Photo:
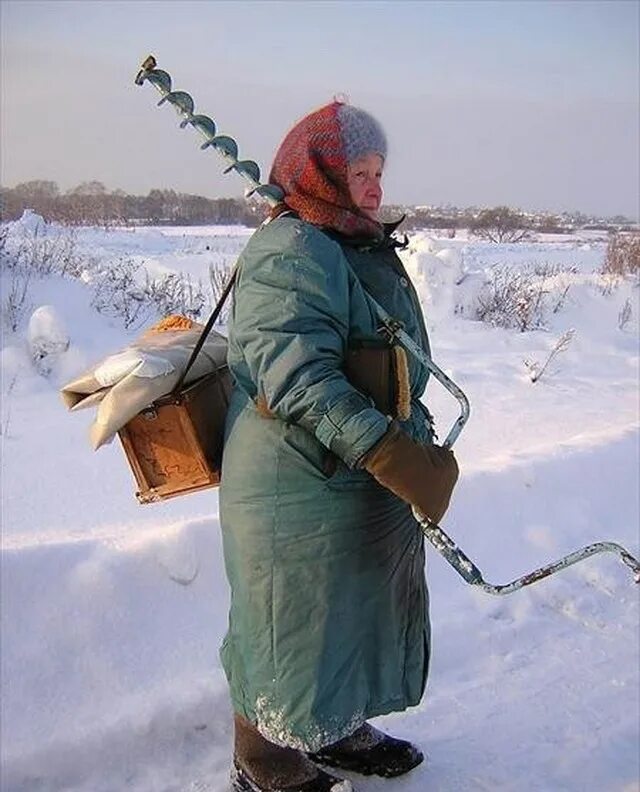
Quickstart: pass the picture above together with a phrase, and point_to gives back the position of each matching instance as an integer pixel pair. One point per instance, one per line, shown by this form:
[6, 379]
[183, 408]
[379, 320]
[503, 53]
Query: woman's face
[364, 177]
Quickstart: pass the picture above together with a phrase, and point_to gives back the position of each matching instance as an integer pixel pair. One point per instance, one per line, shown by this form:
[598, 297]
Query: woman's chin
[372, 214]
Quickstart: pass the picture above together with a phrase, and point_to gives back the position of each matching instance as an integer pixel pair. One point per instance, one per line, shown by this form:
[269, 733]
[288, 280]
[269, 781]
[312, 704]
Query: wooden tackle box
[174, 446]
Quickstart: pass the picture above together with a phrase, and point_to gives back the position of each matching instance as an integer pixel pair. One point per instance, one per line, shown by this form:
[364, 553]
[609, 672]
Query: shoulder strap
[216, 311]
[207, 328]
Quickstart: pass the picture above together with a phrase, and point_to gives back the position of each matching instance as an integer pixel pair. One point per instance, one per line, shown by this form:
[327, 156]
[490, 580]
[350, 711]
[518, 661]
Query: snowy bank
[112, 613]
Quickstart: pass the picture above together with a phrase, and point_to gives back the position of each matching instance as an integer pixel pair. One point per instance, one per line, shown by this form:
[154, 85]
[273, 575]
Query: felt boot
[262, 766]
[369, 751]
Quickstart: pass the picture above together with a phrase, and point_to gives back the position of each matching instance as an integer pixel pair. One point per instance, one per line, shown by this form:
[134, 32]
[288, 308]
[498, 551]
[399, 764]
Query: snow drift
[112, 613]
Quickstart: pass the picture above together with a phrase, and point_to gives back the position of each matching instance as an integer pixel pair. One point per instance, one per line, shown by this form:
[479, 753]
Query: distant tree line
[90, 203]
[499, 224]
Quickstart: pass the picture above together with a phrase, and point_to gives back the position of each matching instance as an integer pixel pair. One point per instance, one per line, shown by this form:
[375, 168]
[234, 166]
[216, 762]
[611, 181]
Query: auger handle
[454, 390]
[472, 575]
[394, 331]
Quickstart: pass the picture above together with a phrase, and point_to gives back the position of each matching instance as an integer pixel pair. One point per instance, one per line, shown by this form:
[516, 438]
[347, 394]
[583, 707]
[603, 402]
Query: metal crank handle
[472, 575]
[455, 391]
[394, 331]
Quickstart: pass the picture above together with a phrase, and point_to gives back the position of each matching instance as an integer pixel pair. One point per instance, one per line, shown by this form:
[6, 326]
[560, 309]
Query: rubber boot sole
[388, 759]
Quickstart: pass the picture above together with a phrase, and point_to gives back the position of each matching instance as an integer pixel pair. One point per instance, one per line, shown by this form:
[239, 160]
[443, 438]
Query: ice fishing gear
[441, 541]
[174, 446]
[227, 147]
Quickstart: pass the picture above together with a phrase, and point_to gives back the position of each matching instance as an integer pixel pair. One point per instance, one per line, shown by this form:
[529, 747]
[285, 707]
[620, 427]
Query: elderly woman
[327, 449]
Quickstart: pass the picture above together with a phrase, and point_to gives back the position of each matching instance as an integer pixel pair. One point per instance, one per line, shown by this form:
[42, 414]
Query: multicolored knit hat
[311, 167]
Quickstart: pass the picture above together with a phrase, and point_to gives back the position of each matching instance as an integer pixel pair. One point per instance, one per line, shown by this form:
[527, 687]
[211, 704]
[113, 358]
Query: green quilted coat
[329, 620]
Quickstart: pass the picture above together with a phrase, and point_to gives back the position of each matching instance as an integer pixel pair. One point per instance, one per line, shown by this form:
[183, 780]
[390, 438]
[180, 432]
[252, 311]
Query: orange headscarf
[311, 168]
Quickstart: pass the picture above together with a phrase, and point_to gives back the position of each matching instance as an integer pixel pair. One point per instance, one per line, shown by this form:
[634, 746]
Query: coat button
[404, 282]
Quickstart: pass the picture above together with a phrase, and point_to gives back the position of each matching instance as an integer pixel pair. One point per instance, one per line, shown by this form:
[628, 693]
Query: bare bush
[176, 294]
[522, 298]
[535, 369]
[624, 317]
[16, 286]
[500, 224]
[123, 288]
[51, 251]
[42, 249]
[219, 275]
[4, 253]
[547, 273]
[623, 255]
[118, 294]
[6, 403]
[16, 304]
[125, 291]
[607, 283]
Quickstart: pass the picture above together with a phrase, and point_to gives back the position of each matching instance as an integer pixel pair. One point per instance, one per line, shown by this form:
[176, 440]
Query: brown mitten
[422, 475]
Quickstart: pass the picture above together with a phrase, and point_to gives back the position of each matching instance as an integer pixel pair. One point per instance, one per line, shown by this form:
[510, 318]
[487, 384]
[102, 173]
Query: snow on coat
[329, 617]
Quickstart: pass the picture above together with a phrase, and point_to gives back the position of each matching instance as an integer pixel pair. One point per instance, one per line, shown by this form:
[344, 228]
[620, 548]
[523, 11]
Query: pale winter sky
[525, 102]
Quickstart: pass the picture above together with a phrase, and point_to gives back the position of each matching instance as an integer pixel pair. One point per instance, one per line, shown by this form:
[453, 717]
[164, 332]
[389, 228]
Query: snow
[112, 612]
[47, 338]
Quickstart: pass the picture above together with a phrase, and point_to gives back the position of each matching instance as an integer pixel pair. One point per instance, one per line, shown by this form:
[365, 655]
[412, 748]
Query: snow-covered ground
[112, 613]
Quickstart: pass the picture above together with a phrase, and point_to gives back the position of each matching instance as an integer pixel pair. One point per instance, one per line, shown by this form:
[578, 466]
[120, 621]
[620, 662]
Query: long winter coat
[329, 611]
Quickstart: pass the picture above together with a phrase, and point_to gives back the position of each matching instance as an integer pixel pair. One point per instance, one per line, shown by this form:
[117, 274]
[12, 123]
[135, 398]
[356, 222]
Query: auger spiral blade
[270, 192]
[182, 102]
[225, 145]
[204, 125]
[245, 168]
[160, 79]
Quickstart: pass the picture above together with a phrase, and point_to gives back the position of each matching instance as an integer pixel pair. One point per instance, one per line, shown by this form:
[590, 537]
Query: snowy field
[112, 613]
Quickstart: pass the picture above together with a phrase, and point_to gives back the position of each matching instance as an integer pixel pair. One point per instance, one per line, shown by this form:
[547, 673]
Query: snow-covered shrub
[4, 253]
[535, 369]
[623, 255]
[47, 337]
[624, 317]
[175, 293]
[31, 248]
[118, 294]
[15, 303]
[125, 290]
[522, 298]
[607, 283]
[6, 402]
[43, 248]
[219, 274]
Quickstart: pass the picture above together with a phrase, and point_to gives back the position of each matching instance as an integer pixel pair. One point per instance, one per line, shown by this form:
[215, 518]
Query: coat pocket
[310, 455]
[309, 451]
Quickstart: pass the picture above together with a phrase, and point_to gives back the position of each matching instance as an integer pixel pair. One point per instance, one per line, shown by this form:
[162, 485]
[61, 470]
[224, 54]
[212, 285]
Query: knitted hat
[361, 133]
[310, 166]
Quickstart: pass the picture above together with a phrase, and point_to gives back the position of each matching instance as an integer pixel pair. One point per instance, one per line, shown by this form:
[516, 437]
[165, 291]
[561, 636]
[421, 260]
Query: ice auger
[227, 147]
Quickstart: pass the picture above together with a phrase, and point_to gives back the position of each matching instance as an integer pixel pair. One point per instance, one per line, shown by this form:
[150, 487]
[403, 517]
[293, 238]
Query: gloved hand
[422, 475]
